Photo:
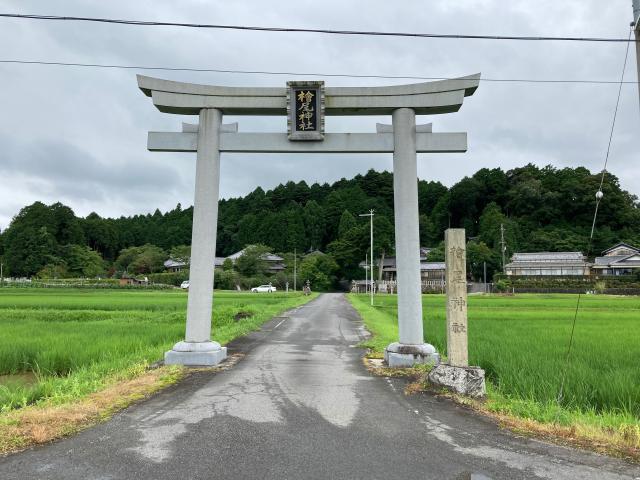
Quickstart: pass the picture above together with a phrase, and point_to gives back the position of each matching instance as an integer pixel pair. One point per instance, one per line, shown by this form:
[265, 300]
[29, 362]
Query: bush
[600, 286]
[169, 278]
[226, 279]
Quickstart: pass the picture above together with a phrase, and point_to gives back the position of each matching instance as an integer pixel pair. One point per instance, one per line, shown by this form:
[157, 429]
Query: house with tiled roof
[621, 259]
[548, 264]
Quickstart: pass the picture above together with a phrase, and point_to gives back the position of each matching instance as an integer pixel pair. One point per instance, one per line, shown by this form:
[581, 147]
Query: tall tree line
[541, 209]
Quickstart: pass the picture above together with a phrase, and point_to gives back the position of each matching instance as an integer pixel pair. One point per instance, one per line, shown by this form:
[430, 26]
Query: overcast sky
[78, 135]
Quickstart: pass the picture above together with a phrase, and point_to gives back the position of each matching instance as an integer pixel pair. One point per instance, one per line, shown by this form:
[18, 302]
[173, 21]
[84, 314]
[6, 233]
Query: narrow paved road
[301, 405]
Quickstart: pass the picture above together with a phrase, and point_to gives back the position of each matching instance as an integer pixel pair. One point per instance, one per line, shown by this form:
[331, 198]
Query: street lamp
[370, 215]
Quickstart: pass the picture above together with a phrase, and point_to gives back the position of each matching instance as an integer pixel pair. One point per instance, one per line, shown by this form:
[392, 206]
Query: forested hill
[541, 209]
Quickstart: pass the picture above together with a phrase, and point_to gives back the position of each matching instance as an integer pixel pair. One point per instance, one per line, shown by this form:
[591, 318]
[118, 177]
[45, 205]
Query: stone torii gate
[305, 104]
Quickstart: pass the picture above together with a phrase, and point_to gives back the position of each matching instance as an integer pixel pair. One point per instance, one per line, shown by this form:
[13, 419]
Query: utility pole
[370, 215]
[366, 272]
[1, 275]
[636, 29]
[485, 277]
[502, 245]
[295, 267]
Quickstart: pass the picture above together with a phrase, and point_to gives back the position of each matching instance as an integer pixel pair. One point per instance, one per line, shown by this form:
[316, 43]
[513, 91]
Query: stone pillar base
[398, 355]
[467, 381]
[195, 354]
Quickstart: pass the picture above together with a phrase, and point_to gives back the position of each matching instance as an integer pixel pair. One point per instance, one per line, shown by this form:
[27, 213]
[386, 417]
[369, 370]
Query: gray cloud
[79, 135]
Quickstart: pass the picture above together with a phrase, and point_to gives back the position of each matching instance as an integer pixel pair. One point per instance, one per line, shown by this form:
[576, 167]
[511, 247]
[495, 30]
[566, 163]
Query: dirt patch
[242, 315]
[26, 379]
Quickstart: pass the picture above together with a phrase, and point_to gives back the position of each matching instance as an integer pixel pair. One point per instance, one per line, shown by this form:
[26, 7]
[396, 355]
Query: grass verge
[71, 358]
[48, 421]
[520, 342]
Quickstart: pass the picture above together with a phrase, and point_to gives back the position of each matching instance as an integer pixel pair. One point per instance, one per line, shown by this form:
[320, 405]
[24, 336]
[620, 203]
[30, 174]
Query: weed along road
[300, 404]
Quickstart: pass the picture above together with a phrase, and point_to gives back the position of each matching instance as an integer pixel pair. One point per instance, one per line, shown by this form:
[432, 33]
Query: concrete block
[195, 358]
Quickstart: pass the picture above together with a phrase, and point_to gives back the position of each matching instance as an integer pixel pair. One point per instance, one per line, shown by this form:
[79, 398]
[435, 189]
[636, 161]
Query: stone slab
[204, 358]
[468, 381]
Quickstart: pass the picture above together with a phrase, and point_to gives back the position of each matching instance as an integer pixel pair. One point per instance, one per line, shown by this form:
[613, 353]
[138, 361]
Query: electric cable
[328, 31]
[308, 74]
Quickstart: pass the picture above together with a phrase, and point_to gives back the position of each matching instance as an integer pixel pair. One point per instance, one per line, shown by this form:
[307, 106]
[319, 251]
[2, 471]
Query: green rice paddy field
[60, 344]
[521, 342]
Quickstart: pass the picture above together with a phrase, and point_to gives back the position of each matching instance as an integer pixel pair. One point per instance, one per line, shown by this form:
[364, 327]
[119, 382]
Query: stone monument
[305, 105]
[457, 374]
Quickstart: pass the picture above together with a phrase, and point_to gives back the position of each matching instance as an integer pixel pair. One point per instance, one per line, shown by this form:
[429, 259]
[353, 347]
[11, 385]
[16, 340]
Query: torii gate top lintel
[427, 98]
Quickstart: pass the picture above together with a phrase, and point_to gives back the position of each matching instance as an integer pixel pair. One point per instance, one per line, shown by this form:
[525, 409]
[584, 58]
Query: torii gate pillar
[197, 347]
[411, 347]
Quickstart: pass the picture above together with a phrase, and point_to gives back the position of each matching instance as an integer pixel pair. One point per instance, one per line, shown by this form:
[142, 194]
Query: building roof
[621, 245]
[276, 267]
[270, 257]
[235, 256]
[423, 266]
[432, 266]
[171, 263]
[609, 259]
[390, 262]
[545, 257]
[632, 260]
[546, 264]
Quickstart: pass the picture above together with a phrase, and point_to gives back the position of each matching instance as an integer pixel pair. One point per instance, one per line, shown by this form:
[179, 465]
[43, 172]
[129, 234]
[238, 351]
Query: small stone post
[456, 279]
[456, 374]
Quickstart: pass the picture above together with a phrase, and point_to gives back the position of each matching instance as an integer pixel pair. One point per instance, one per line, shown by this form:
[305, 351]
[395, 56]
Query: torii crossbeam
[305, 104]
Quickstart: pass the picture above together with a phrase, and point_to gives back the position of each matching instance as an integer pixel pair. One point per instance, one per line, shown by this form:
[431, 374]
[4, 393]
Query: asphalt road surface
[301, 405]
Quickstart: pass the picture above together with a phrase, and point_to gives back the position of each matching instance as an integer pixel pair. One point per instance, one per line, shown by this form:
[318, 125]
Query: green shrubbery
[169, 278]
[578, 283]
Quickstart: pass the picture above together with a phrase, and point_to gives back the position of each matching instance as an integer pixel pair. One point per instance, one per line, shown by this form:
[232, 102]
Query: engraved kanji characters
[305, 110]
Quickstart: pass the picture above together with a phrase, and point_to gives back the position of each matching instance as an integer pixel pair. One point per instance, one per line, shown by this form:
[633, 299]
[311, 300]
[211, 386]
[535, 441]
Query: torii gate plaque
[306, 104]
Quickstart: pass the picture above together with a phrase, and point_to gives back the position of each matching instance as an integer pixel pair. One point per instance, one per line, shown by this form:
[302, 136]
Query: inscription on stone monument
[456, 278]
[305, 110]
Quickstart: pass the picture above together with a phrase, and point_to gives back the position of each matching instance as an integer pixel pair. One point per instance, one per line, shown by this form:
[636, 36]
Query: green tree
[51, 271]
[320, 270]
[181, 253]
[477, 254]
[144, 259]
[81, 261]
[252, 262]
[347, 222]
[313, 217]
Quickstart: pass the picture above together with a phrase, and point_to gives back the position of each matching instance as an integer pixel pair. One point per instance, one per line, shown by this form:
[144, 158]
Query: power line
[145, 23]
[310, 74]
